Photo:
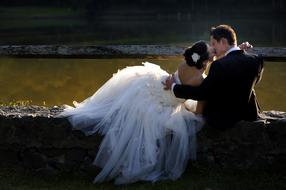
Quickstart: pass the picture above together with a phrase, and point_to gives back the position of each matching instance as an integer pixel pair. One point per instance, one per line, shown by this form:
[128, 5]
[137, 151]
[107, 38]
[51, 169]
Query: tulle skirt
[148, 133]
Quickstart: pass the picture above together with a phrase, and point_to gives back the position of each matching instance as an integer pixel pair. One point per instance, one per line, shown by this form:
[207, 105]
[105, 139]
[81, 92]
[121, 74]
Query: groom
[229, 87]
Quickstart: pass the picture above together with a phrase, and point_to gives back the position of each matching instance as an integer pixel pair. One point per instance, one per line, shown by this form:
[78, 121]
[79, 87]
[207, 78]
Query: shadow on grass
[17, 178]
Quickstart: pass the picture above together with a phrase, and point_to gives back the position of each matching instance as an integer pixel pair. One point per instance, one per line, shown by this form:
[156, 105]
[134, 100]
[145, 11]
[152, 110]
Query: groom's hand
[245, 46]
[168, 82]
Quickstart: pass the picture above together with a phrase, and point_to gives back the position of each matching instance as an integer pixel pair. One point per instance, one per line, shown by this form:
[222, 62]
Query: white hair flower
[195, 57]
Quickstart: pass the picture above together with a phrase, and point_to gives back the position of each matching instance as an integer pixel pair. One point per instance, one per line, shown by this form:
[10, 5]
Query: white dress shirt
[234, 48]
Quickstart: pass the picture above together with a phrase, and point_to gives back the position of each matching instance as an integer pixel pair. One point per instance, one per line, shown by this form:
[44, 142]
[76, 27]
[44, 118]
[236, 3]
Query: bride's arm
[245, 46]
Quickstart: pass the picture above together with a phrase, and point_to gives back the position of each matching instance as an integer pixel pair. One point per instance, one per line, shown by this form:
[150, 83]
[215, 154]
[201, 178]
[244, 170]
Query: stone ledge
[117, 51]
[33, 137]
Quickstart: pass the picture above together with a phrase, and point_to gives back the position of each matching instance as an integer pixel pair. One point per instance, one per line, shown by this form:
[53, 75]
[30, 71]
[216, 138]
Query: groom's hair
[224, 31]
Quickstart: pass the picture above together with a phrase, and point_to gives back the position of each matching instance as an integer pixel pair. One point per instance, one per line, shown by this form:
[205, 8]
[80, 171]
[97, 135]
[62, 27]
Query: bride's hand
[245, 46]
[169, 82]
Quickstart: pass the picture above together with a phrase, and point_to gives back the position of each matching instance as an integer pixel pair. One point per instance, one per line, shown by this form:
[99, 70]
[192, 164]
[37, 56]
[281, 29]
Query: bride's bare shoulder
[183, 70]
[181, 67]
[189, 75]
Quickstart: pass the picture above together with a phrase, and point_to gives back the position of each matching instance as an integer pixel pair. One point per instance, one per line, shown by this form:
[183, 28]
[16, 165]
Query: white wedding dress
[148, 133]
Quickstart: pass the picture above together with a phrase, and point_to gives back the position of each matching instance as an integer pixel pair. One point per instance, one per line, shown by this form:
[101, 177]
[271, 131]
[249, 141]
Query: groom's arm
[199, 92]
[189, 92]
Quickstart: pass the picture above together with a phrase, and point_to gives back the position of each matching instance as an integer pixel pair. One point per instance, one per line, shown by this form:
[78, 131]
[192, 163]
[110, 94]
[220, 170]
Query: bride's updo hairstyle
[196, 55]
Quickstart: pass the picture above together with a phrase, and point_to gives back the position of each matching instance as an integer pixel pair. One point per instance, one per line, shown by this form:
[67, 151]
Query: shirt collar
[235, 48]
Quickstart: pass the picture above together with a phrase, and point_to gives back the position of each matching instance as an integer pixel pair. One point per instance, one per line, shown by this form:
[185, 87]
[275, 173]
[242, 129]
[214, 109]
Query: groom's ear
[224, 41]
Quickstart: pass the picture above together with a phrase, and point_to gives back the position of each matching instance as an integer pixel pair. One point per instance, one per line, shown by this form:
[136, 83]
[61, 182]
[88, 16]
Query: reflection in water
[60, 81]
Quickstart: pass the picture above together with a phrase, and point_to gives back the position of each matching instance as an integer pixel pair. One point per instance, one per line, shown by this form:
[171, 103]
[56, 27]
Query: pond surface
[60, 81]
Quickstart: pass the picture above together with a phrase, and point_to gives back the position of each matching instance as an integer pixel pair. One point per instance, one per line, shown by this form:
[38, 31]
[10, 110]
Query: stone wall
[34, 138]
[268, 53]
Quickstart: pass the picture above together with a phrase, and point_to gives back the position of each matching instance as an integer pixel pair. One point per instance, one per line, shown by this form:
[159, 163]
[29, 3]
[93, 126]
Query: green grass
[16, 178]
[37, 12]
[75, 37]
[39, 17]
[18, 103]
[43, 23]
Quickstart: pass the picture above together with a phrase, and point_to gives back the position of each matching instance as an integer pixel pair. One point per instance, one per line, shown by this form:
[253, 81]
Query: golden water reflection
[60, 81]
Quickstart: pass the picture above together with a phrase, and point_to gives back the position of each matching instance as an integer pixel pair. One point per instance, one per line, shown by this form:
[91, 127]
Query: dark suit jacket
[228, 89]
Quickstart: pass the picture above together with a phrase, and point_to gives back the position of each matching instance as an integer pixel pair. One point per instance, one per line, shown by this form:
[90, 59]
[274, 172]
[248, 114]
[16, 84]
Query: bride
[149, 134]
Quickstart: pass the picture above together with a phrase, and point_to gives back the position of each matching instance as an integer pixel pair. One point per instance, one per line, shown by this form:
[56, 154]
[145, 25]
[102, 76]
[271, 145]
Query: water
[60, 81]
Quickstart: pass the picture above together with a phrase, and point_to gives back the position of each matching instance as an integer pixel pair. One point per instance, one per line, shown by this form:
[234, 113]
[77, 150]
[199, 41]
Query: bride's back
[194, 77]
[190, 75]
